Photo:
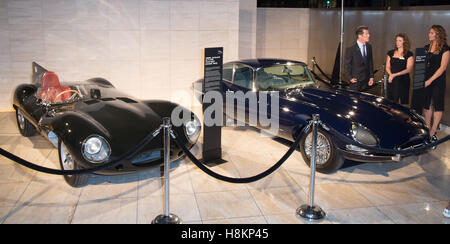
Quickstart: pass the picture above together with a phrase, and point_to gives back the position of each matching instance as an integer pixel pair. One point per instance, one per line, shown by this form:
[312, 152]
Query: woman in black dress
[399, 63]
[437, 60]
[436, 64]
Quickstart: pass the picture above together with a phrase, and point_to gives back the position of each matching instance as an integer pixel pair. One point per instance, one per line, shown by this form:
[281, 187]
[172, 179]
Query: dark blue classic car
[362, 117]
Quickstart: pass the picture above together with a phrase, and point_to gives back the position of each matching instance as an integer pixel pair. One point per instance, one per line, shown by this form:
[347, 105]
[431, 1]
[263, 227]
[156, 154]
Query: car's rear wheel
[328, 158]
[67, 162]
[25, 127]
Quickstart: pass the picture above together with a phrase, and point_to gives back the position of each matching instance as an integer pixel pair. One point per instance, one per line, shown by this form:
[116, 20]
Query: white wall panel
[247, 29]
[148, 48]
[282, 33]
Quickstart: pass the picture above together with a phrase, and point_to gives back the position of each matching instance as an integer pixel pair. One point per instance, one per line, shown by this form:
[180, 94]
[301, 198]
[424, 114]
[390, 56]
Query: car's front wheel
[67, 162]
[328, 158]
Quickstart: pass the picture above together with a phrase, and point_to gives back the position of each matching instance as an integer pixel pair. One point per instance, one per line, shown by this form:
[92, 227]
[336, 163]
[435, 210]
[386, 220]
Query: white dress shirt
[360, 45]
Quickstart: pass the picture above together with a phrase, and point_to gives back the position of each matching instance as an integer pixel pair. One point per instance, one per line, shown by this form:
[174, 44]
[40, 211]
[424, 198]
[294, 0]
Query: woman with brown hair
[436, 64]
[399, 63]
[437, 60]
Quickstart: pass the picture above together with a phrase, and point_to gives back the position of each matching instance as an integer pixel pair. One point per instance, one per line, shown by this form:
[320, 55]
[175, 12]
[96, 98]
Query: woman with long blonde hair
[436, 65]
[437, 60]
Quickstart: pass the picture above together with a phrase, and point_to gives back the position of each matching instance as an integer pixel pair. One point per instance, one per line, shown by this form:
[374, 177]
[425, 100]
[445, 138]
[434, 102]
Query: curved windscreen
[280, 77]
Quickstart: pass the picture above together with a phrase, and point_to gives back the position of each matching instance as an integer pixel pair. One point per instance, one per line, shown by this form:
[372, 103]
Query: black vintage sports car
[92, 123]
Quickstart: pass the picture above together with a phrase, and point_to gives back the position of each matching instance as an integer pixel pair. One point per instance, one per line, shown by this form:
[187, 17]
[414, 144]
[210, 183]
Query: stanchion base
[213, 162]
[311, 213]
[171, 219]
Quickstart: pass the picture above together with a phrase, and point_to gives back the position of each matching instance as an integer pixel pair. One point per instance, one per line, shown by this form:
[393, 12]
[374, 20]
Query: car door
[240, 95]
[268, 119]
[227, 88]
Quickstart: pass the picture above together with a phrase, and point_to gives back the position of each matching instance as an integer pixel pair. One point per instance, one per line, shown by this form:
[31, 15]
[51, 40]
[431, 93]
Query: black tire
[332, 162]
[72, 180]
[26, 129]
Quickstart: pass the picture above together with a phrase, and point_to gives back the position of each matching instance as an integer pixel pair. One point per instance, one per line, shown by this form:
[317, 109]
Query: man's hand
[354, 80]
[371, 82]
[427, 83]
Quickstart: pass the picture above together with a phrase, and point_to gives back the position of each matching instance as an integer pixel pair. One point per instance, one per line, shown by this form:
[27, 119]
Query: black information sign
[212, 135]
[419, 80]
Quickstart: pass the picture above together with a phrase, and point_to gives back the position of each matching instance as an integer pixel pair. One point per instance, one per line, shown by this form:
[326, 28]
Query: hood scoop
[107, 99]
[127, 100]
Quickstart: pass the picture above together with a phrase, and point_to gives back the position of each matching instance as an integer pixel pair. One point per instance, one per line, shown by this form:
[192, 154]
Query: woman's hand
[391, 78]
[441, 70]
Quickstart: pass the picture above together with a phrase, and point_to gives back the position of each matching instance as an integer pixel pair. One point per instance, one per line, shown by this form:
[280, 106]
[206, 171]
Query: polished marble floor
[415, 190]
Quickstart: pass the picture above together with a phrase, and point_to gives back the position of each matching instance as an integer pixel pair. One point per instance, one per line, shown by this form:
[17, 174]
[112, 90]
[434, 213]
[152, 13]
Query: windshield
[280, 77]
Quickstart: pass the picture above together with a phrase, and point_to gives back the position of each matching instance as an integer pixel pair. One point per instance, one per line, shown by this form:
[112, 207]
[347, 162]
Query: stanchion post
[167, 217]
[311, 211]
[314, 64]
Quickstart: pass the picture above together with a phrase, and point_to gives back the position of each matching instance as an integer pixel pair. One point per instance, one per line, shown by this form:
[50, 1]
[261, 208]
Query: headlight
[93, 146]
[192, 129]
[95, 149]
[362, 135]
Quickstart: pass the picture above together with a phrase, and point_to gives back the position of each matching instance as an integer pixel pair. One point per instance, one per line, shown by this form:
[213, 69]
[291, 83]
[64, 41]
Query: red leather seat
[50, 79]
[50, 88]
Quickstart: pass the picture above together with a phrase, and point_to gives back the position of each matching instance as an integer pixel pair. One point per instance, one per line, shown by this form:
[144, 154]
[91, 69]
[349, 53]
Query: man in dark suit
[359, 61]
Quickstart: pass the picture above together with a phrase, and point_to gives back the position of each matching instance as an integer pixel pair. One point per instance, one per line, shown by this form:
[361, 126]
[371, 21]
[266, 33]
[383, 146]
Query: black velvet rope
[200, 165]
[112, 163]
[320, 79]
[240, 180]
[321, 71]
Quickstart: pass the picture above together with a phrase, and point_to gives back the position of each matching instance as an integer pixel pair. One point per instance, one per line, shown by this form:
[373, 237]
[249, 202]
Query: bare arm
[388, 65]
[441, 70]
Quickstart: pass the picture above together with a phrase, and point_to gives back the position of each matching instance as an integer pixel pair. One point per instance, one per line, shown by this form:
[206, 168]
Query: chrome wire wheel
[66, 159]
[26, 129]
[21, 120]
[67, 162]
[323, 152]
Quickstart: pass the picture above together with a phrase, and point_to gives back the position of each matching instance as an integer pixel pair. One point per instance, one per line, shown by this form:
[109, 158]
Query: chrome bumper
[361, 155]
[367, 157]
